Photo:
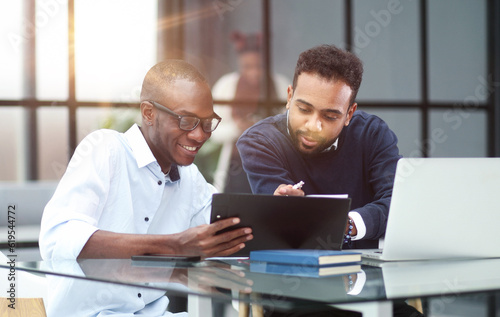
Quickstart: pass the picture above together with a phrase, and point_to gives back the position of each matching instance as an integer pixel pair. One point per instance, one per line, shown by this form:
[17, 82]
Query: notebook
[304, 270]
[305, 257]
[443, 208]
[285, 222]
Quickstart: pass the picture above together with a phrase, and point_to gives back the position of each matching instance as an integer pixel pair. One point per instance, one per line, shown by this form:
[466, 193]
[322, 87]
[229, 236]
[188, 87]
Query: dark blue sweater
[362, 166]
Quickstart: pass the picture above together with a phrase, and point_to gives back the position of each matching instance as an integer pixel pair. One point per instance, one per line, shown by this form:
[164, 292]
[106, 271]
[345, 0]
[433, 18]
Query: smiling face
[318, 111]
[170, 144]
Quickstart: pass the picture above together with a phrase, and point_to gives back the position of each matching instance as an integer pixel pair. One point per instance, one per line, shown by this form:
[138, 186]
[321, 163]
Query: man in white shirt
[138, 192]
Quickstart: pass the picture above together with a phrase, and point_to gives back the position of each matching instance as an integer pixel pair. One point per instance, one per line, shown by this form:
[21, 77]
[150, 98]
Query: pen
[298, 185]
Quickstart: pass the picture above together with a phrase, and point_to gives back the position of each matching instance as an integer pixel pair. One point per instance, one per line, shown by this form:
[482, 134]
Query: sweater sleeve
[263, 162]
[381, 159]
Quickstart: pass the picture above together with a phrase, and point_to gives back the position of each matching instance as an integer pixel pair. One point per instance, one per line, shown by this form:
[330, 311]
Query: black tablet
[285, 222]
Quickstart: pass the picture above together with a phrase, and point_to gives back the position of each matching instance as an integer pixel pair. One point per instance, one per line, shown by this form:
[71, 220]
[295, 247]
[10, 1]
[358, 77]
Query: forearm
[374, 216]
[202, 240]
[106, 244]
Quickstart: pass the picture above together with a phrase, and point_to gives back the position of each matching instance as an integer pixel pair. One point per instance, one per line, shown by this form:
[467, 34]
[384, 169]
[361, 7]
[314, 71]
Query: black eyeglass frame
[180, 117]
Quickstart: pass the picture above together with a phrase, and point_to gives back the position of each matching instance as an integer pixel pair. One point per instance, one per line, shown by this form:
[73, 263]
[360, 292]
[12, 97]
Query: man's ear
[289, 96]
[350, 113]
[147, 113]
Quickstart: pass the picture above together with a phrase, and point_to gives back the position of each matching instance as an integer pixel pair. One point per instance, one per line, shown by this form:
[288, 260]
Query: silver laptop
[404, 279]
[443, 208]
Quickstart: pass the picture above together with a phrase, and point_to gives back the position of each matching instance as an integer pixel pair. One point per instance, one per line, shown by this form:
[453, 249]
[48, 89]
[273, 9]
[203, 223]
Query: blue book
[304, 270]
[306, 257]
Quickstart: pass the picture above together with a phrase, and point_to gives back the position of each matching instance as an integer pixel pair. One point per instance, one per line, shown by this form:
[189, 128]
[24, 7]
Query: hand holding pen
[298, 185]
[290, 190]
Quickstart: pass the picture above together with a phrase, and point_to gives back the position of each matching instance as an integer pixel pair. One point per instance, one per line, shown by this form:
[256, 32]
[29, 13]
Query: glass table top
[237, 279]
[389, 280]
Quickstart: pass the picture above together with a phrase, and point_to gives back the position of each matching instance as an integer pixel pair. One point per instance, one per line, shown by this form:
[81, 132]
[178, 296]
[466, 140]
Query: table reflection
[86, 297]
[112, 287]
[124, 287]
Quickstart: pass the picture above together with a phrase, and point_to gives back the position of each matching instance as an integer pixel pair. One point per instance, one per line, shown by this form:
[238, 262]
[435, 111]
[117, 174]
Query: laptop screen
[444, 208]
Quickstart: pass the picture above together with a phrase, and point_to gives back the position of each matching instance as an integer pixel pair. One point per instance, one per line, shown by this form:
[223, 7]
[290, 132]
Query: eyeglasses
[189, 123]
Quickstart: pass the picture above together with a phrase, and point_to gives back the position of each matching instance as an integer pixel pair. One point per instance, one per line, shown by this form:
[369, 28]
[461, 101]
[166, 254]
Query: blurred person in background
[245, 88]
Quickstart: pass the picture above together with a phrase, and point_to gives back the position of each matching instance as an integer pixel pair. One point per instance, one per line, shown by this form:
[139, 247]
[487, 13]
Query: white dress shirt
[113, 182]
[77, 297]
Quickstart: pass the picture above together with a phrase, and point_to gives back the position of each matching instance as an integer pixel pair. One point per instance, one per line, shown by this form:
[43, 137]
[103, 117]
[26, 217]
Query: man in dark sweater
[322, 141]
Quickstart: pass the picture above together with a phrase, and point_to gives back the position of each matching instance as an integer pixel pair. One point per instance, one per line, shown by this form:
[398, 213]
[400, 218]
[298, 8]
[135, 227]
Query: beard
[322, 143]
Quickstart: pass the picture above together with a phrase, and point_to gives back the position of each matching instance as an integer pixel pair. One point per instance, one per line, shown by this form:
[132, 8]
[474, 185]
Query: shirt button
[146, 219]
[160, 182]
[139, 295]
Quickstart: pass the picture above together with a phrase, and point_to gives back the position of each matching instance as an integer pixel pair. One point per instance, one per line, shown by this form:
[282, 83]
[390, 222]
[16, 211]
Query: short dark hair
[331, 63]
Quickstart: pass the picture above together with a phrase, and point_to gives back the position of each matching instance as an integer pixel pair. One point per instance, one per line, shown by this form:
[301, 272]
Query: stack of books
[304, 262]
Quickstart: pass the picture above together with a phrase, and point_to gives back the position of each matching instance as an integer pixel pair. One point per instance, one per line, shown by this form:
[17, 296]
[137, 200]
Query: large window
[68, 67]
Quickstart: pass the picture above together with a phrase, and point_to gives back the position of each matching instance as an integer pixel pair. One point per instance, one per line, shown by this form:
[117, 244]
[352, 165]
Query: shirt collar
[143, 154]
[332, 147]
[139, 146]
